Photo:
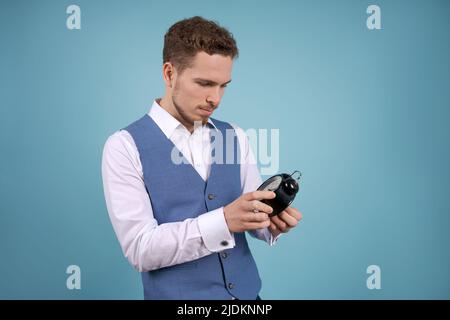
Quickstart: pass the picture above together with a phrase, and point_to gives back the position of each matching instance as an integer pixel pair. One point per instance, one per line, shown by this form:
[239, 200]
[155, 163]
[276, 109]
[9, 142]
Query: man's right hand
[240, 215]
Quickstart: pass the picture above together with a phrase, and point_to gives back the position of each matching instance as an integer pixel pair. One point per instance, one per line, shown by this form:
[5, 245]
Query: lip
[206, 112]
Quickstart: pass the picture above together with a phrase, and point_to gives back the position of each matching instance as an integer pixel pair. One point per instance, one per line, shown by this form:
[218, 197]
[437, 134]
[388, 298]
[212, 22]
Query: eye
[205, 84]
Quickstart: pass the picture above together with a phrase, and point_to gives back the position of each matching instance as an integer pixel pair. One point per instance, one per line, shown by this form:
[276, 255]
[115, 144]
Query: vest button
[230, 285]
[224, 243]
[224, 255]
[211, 196]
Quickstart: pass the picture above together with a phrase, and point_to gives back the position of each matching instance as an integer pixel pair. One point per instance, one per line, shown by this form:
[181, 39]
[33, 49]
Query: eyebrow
[210, 81]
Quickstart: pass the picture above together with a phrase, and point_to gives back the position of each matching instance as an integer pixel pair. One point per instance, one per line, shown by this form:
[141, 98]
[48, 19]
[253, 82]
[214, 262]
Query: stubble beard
[185, 119]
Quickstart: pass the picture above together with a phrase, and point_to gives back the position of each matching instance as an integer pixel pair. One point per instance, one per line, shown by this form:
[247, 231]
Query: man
[182, 223]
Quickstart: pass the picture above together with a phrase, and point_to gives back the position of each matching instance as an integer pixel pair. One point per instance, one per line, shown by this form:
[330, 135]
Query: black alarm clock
[285, 188]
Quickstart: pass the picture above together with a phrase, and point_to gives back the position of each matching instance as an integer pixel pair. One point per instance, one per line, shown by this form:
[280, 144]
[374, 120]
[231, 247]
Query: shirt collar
[166, 122]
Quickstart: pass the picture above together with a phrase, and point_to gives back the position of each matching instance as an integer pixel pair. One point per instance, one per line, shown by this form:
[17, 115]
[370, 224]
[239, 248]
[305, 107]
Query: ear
[168, 74]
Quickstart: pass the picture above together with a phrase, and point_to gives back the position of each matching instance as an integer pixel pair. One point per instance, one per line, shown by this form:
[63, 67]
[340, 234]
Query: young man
[182, 223]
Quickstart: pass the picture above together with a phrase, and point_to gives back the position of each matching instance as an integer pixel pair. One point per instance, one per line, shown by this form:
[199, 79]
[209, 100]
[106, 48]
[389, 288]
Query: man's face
[199, 88]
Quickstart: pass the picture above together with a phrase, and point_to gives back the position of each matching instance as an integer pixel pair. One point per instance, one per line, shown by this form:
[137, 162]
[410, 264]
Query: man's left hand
[284, 221]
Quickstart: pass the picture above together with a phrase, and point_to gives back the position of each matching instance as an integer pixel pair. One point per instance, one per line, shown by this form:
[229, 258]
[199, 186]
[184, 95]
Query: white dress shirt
[146, 244]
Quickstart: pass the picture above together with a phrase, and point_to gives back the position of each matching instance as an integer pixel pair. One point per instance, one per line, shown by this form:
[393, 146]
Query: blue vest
[177, 192]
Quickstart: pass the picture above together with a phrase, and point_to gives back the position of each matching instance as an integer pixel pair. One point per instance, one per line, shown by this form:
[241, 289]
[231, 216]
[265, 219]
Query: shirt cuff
[271, 239]
[214, 231]
[265, 235]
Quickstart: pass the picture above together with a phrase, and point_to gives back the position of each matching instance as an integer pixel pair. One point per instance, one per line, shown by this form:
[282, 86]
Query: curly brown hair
[187, 37]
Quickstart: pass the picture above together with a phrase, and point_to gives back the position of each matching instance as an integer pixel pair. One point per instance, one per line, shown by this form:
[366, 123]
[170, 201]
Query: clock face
[272, 184]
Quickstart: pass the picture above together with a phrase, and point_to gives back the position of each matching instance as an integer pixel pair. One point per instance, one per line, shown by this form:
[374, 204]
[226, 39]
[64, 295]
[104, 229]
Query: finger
[294, 213]
[280, 224]
[272, 226]
[259, 206]
[257, 225]
[255, 217]
[288, 219]
[259, 195]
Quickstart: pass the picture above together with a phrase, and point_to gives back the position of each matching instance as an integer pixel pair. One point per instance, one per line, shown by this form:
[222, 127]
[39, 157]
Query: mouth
[206, 111]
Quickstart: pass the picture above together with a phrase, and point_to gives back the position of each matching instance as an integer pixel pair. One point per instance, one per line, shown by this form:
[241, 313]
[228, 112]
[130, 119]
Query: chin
[204, 120]
[199, 119]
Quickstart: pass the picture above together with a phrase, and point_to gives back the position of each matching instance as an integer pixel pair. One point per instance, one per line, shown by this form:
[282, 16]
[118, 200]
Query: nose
[213, 98]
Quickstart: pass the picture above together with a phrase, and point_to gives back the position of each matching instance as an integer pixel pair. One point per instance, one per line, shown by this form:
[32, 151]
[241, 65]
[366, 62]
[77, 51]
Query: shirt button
[224, 243]
[211, 196]
[230, 285]
[224, 255]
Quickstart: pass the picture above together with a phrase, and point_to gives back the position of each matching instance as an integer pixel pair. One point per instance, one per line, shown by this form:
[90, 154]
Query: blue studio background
[364, 114]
